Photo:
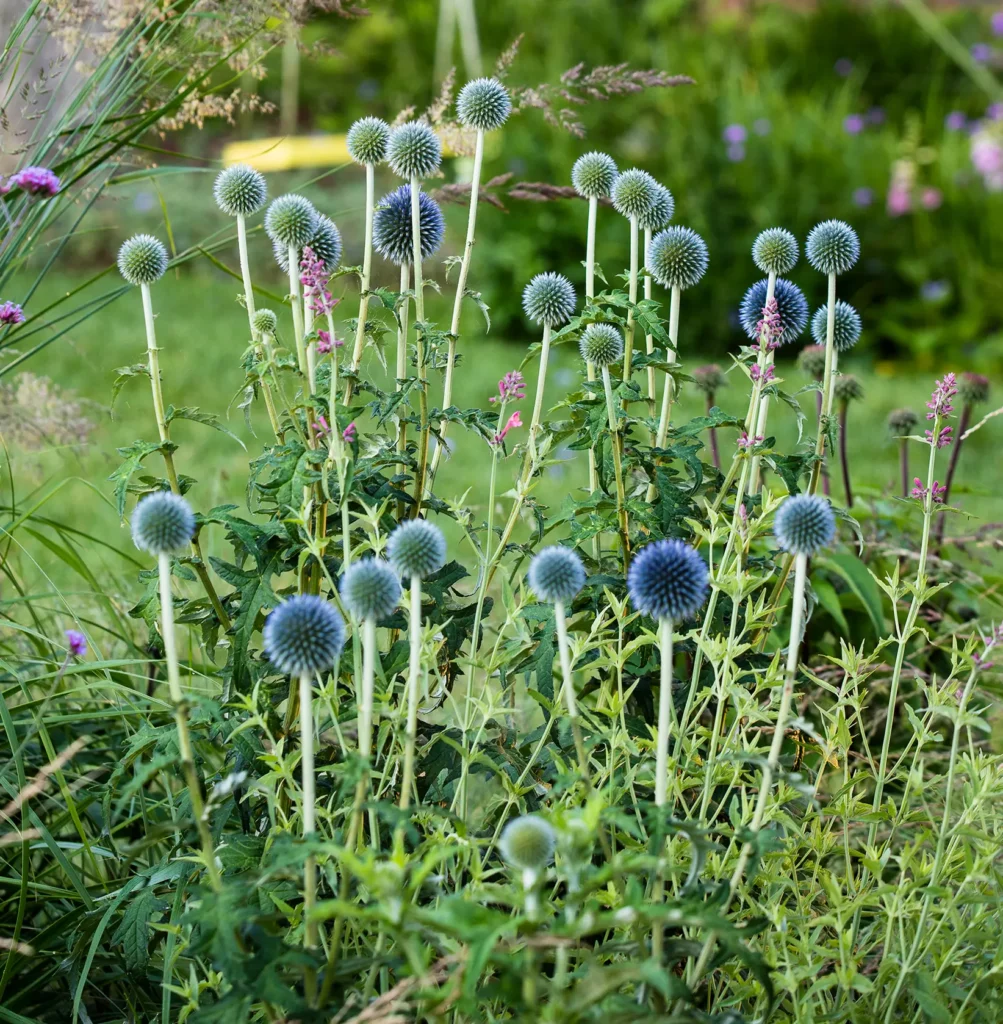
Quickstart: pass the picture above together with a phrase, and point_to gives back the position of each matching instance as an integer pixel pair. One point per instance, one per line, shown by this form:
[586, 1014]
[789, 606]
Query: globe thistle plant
[845, 329]
[240, 190]
[290, 222]
[593, 175]
[811, 361]
[527, 845]
[142, 260]
[414, 151]
[483, 104]
[264, 321]
[804, 525]
[325, 242]
[846, 389]
[393, 237]
[654, 219]
[792, 308]
[162, 524]
[775, 251]
[601, 345]
[368, 140]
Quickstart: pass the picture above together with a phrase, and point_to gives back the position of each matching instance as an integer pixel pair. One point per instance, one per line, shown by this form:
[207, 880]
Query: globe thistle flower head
[325, 243]
[775, 251]
[709, 379]
[265, 321]
[792, 307]
[593, 175]
[811, 361]
[973, 388]
[367, 140]
[162, 523]
[804, 524]
[667, 580]
[634, 193]
[416, 548]
[370, 589]
[291, 220]
[142, 259]
[832, 247]
[304, 635]
[527, 843]
[556, 574]
[240, 190]
[601, 345]
[549, 299]
[902, 422]
[660, 212]
[677, 257]
[483, 104]
[414, 150]
[847, 388]
[845, 325]
[393, 237]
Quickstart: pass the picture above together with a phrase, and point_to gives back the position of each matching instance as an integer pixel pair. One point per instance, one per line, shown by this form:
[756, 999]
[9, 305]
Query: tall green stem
[364, 284]
[590, 370]
[297, 303]
[402, 363]
[662, 756]
[570, 698]
[649, 340]
[413, 677]
[615, 445]
[668, 388]
[758, 427]
[419, 324]
[309, 806]
[628, 344]
[830, 348]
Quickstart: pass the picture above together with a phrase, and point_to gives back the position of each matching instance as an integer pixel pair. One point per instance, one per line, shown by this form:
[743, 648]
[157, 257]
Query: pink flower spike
[939, 493]
[511, 387]
[940, 399]
[321, 426]
[11, 313]
[513, 421]
[349, 434]
[314, 279]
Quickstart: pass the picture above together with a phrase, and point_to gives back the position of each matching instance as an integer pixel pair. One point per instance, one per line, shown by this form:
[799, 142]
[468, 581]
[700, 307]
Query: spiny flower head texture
[902, 422]
[368, 139]
[414, 150]
[973, 388]
[291, 220]
[304, 635]
[805, 524]
[845, 325]
[593, 175]
[792, 308]
[847, 388]
[709, 379]
[667, 580]
[483, 104]
[601, 345]
[775, 250]
[811, 360]
[393, 238]
[660, 212]
[162, 523]
[527, 843]
[265, 321]
[549, 299]
[832, 247]
[142, 259]
[240, 190]
[556, 574]
[634, 193]
[370, 589]
[677, 257]
[416, 548]
[325, 243]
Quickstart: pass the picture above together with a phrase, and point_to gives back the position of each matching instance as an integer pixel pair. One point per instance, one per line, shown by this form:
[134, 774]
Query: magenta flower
[11, 313]
[36, 181]
[314, 279]
[325, 344]
[920, 492]
[76, 642]
[853, 124]
[766, 374]
[348, 434]
[899, 200]
[943, 437]
[931, 198]
[511, 387]
[321, 425]
[940, 399]
[772, 325]
[513, 421]
[744, 441]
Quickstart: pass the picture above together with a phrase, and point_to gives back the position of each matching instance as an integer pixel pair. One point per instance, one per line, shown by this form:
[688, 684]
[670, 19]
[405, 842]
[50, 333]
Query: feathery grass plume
[710, 379]
[290, 222]
[654, 219]
[973, 389]
[240, 190]
[792, 307]
[775, 251]
[847, 389]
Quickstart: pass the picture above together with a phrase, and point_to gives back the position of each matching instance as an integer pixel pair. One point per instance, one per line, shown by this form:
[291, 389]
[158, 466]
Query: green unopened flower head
[902, 422]
[973, 388]
[368, 139]
[528, 843]
[662, 208]
[325, 243]
[142, 259]
[775, 250]
[556, 574]
[593, 175]
[549, 299]
[847, 388]
[416, 548]
[304, 635]
[601, 345]
[634, 193]
[265, 321]
[370, 589]
[162, 523]
[291, 220]
[414, 150]
[804, 524]
[845, 325]
[240, 190]
[483, 104]
[677, 257]
[832, 247]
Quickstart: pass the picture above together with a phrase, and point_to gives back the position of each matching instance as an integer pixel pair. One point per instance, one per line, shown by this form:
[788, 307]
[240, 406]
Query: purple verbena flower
[37, 181]
[511, 387]
[11, 313]
[76, 642]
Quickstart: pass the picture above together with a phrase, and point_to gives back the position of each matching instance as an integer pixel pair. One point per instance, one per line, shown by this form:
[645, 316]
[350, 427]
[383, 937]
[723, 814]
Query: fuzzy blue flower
[304, 635]
[414, 150]
[291, 220]
[240, 190]
[325, 242]
[393, 238]
[775, 250]
[661, 211]
[832, 247]
[634, 193]
[601, 345]
[162, 523]
[845, 326]
[667, 580]
[483, 104]
[142, 259]
[416, 548]
[677, 257]
[367, 140]
[370, 589]
[593, 175]
[556, 574]
[791, 305]
[804, 524]
[527, 843]
[549, 299]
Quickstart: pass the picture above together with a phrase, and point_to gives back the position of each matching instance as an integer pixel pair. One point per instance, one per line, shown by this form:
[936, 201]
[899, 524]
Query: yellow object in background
[288, 152]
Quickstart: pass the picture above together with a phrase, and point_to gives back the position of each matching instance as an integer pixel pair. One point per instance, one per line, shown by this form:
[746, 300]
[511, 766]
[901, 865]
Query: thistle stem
[904, 465]
[714, 450]
[570, 699]
[615, 444]
[413, 677]
[419, 323]
[402, 362]
[662, 757]
[823, 423]
[541, 383]
[365, 723]
[669, 387]
[364, 284]
[628, 344]
[843, 457]
[649, 341]
[296, 300]
[952, 465]
[309, 806]
[758, 428]
[590, 370]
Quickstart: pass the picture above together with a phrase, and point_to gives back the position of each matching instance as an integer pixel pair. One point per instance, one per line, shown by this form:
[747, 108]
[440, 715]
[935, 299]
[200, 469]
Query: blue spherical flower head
[601, 345]
[660, 212]
[162, 523]
[593, 175]
[832, 247]
[291, 220]
[677, 257]
[556, 574]
[634, 193]
[549, 299]
[667, 580]
[414, 150]
[142, 259]
[483, 104]
[845, 327]
[240, 190]
[775, 250]
[370, 589]
[393, 238]
[791, 305]
[804, 524]
[304, 635]
[325, 243]
[416, 548]
[367, 140]
[527, 843]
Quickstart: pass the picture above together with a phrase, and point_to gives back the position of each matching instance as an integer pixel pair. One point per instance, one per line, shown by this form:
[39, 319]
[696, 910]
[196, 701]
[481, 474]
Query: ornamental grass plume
[710, 379]
[973, 389]
[847, 389]
[901, 423]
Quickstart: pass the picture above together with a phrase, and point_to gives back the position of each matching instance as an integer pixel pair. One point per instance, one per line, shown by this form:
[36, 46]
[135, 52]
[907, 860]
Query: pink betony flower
[940, 399]
[349, 433]
[513, 421]
[920, 492]
[325, 344]
[510, 388]
[744, 441]
[314, 279]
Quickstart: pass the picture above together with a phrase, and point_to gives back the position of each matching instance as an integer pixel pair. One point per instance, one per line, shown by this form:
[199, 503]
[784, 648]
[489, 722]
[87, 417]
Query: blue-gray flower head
[527, 843]
[142, 259]
[601, 345]
[304, 635]
[414, 150]
[775, 250]
[677, 257]
[370, 589]
[556, 574]
[393, 238]
[804, 524]
[265, 321]
[633, 193]
[368, 139]
[483, 104]
[162, 523]
[832, 247]
[291, 220]
[325, 242]
[549, 299]
[416, 548]
[845, 326]
[791, 305]
[593, 175]
[240, 190]
[667, 580]
[660, 212]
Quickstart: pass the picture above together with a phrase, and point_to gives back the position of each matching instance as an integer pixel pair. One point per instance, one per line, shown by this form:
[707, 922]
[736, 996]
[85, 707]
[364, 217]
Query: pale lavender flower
[734, 134]
[863, 197]
[934, 291]
[853, 124]
[76, 642]
[11, 313]
[955, 121]
[981, 53]
[995, 111]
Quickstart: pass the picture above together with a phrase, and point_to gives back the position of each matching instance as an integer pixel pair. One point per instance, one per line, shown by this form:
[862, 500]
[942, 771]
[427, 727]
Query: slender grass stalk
[662, 758]
[296, 301]
[628, 342]
[669, 387]
[615, 445]
[826, 402]
[365, 283]
[419, 317]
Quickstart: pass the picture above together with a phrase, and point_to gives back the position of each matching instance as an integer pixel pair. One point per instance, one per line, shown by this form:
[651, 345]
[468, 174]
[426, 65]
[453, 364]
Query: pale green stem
[309, 805]
[570, 698]
[413, 677]
[830, 347]
[758, 427]
[590, 370]
[541, 382]
[662, 758]
[402, 359]
[364, 284]
[419, 317]
[628, 345]
[310, 345]
[668, 389]
[614, 437]
[297, 304]
[649, 341]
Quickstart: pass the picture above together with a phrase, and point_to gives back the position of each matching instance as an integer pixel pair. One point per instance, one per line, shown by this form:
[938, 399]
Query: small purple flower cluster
[994, 639]
[747, 442]
[940, 399]
[325, 343]
[36, 181]
[76, 643]
[510, 388]
[771, 325]
[767, 375]
[943, 438]
[314, 279]
[920, 492]
[11, 313]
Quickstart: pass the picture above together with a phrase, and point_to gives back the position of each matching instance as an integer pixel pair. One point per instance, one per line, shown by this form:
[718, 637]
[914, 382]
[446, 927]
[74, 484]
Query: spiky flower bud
[667, 580]
[791, 305]
[660, 212]
[416, 548]
[304, 635]
[483, 104]
[804, 524]
[633, 193]
[709, 379]
[142, 259]
[325, 243]
[601, 345]
[393, 238]
[527, 843]
[414, 150]
[549, 299]
[368, 139]
[162, 523]
[973, 388]
[556, 574]
[775, 250]
[265, 321]
[240, 190]
[593, 175]
[677, 257]
[811, 361]
[832, 247]
[845, 325]
[847, 388]
[902, 422]
[370, 589]
[291, 220]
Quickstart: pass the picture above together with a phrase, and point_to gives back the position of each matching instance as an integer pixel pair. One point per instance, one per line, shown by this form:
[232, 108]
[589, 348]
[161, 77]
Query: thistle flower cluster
[11, 313]
[709, 379]
[811, 361]
[393, 237]
[304, 635]
[240, 190]
[832, 247]
[549, 299]
[847, 388]
[142, 259]
[314, 279]
[368, 139]
[902, 422]
[804, 524]
[775, 251]
[162, 523]
[791, 309]
[593, 175]
[973, 388]
[325, 243]
[634, 193]
[940, 399]
[370, 589]
[846, 326]
[416, 548]
[511, 388]
[677, 258]
[36, 181]
[667, 580]
[483, 104]
[527, 843]
[414, 150]
[601, 345]
[265, 321]
[660, 212]
[291, 221]
[556, 574]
